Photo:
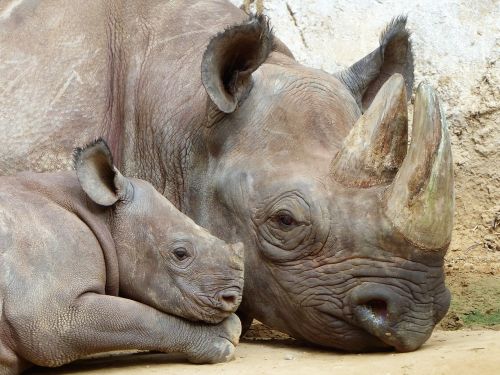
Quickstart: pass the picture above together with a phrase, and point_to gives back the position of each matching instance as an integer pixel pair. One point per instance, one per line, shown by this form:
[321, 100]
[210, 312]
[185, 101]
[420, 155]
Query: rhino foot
[218, 342]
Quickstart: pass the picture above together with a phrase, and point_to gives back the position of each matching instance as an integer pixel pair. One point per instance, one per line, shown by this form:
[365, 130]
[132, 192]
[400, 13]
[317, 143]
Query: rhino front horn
[420, 201]
[376, 146]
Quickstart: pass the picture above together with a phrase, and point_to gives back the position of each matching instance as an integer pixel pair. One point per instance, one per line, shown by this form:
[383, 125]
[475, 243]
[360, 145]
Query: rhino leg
[98, 323]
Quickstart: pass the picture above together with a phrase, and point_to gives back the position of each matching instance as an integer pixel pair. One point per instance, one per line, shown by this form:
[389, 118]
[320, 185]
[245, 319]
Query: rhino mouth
[348, 336]
[369, 329]
[218, 306]
[402, 337]
[202, 308]
[391, 318]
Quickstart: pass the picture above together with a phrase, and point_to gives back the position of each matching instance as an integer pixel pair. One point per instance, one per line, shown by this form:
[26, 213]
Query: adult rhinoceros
[345, 230]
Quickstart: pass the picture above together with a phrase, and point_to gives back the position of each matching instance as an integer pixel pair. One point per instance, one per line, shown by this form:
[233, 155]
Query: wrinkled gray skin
[111, 269]
[254, 147]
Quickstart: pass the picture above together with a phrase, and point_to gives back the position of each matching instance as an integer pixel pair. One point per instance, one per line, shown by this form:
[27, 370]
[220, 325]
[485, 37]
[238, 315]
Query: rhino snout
[380, 311]
[229, 300]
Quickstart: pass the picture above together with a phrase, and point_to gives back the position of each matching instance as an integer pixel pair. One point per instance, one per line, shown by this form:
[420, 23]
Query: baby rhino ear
[98, 177]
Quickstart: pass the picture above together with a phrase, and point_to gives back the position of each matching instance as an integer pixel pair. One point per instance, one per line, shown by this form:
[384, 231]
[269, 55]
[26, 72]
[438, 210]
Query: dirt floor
[458, 352]
[473, 276]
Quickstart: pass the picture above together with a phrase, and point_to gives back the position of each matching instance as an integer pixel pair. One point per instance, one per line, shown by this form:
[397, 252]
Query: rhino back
[53, 85]
[73, 72]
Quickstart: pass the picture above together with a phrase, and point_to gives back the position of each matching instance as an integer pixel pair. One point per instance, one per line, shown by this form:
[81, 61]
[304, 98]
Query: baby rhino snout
[229, 298]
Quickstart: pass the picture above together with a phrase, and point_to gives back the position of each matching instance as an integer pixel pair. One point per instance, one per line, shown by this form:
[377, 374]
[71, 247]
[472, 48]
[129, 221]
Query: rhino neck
[64, 189]
[98, 219]
[164, 102]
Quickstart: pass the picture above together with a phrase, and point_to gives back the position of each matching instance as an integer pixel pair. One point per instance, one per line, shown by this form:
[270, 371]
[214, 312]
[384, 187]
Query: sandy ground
[457, 352]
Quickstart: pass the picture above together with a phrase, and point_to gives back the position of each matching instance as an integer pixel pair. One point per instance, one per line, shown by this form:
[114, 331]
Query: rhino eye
[181, 253]
[286, 220]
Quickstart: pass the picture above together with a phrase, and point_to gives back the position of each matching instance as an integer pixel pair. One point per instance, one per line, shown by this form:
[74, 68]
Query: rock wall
[457, 50]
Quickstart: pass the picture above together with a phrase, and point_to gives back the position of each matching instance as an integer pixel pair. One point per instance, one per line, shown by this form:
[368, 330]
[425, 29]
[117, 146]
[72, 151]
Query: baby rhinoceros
[94, 261]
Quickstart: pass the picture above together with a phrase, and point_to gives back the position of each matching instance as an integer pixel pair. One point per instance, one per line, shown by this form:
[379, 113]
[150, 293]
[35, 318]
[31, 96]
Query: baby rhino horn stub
[420, 201]
[376, 146]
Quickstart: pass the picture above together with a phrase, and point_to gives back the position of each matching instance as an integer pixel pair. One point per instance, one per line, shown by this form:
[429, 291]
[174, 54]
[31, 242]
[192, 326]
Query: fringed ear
[230, 59]
[394, 55]
[98, 177]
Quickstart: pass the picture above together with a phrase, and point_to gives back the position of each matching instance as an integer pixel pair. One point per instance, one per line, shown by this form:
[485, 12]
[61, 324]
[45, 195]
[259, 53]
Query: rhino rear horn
[230, 59]
[97, 175]
[376, 146]
[394, 55]
[420, 200]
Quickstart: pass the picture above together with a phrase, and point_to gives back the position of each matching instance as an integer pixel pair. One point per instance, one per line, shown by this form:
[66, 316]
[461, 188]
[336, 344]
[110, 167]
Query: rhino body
[345, 228]
[115, 271]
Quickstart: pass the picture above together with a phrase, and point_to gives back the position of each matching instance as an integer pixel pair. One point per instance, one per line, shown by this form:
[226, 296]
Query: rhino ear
[394, 55]
[230, 59]
[98, 177]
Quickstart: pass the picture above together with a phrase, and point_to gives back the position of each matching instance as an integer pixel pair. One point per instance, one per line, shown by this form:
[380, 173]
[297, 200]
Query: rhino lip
[374, 318]
[370, 341]
[208, 309]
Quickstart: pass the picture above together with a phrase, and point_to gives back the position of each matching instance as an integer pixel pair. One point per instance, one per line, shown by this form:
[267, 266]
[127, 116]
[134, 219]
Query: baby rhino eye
[181, 253]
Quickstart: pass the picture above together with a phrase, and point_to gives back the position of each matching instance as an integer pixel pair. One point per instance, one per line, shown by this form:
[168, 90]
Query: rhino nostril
[385, 314]
[228, 300]
[377, 308]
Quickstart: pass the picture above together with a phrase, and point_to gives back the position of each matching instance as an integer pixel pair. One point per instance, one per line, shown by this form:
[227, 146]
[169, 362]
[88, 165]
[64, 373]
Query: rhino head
[164, 259]
[345, 226]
